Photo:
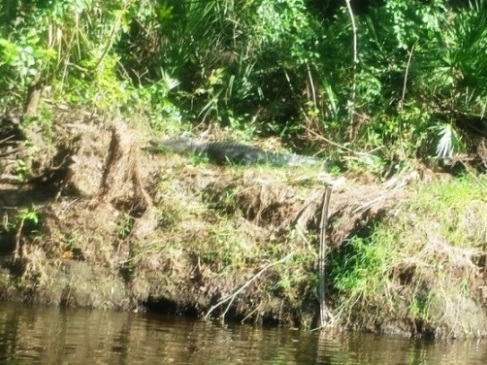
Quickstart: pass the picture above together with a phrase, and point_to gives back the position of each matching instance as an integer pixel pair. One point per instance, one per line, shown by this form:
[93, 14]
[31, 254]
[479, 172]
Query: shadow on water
[40, 335]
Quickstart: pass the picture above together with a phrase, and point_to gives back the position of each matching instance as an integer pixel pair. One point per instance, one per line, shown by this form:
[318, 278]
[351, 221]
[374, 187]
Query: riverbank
[98, 222]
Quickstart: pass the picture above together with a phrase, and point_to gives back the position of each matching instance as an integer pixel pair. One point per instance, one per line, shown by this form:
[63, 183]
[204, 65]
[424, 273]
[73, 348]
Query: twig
[6, 139]
[249, 315]
[324, 314]
[355, 62]
[312, 84]
[232, 297]
[116, 26]
[329, 141]
[18, 237]
[319, 136]
[291, 87]
[403, 95]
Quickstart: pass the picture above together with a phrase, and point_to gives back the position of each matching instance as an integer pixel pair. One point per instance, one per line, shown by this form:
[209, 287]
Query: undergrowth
[420, 264]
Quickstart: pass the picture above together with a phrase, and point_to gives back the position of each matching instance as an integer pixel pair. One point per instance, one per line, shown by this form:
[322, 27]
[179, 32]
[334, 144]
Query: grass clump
[420, 266]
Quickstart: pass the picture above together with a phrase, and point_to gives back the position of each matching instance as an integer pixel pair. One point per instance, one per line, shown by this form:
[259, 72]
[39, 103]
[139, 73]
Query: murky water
[41, 335]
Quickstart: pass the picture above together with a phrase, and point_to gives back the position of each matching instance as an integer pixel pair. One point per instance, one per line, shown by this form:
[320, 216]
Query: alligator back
[176, 145]
[230, 152]
[234, 153]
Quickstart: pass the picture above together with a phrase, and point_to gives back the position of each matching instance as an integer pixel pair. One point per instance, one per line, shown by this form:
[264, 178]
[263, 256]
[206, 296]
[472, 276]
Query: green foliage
[229, 57]
[28, 214]
[359, 269]
[453, 62]
[25, 217]
[365, 162]
[449, 141]
[26, 58]
[125, 226]
[21, 171]
[424, 253]
[259, 66]
[446, 71]
[459, 206]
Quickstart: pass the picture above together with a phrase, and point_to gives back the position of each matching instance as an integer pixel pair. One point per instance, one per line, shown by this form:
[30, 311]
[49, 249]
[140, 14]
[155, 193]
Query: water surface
[46, 335]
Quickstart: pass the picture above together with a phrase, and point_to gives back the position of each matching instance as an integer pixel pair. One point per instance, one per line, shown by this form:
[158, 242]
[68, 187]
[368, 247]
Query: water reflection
[371, 349]
[40, 335]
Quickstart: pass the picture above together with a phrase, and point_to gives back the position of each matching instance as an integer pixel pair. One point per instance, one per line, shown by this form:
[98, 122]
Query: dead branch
[325, 315]
[232, 296]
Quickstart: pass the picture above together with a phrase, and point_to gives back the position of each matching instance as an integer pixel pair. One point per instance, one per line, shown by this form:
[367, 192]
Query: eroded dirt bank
[102, 223]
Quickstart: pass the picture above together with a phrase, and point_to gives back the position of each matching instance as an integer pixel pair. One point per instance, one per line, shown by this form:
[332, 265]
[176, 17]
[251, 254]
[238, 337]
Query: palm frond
[449, 141]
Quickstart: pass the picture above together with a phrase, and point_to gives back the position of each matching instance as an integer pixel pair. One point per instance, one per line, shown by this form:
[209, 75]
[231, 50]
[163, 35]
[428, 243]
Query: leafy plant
[125, 226]
[449, 141]
[25, 217]
[21, 171]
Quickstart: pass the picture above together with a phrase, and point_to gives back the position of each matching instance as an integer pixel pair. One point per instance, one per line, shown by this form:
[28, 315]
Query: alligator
[232, 153]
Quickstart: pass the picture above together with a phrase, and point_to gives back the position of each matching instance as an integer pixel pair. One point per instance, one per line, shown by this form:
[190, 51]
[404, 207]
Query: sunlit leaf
[449, 142]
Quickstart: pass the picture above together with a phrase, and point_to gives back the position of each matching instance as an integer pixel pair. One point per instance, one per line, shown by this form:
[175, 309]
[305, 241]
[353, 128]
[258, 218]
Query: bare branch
[232, 297]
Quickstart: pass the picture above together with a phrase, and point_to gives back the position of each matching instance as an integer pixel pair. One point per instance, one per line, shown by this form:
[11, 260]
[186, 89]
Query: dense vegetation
[402, 79]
